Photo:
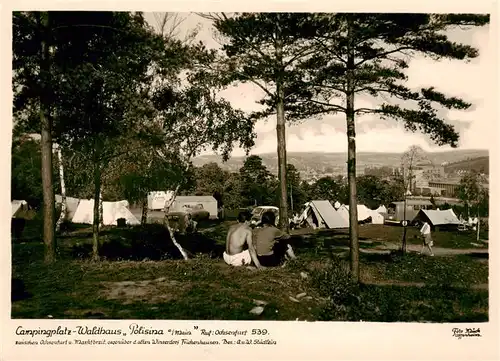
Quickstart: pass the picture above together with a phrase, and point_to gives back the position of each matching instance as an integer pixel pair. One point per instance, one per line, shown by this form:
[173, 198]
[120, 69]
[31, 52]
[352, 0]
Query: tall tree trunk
[478, 223]
[62, 216]
[167, 210]
[97, 218]
[281, 134]
[46, 145]
[351, 165]
[101, 208]
[403, 244]
[144, 216]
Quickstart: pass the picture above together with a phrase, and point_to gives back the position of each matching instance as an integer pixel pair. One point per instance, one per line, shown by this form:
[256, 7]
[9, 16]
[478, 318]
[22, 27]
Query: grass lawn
[446, 239]
[143, 278]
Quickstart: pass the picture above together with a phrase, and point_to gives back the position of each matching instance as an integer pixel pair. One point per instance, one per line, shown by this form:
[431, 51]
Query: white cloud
[470, 81]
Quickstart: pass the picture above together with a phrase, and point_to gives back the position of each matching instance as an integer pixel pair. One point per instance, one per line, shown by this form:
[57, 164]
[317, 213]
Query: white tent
[112, 211]
[377, 218]
[343, 211]
[17, 206]
[381, 209]
[71, 205]
[438, 218]
[363, 212]
[321, 214]
[157, 200]
[304, 213]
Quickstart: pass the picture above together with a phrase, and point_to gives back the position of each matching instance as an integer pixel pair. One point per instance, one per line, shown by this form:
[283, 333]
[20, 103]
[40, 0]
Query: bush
[335, 284]
[438, 301]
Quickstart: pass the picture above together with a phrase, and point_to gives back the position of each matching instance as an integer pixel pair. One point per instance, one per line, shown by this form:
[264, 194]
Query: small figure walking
[425, 232]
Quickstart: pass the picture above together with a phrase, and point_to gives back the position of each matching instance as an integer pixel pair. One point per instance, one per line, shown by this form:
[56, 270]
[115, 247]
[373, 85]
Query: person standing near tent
[425, 232]
[271, 244]
[239, 236]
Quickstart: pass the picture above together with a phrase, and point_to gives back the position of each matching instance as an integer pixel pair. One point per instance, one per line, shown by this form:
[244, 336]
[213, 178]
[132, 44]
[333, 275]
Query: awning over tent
[438, 218]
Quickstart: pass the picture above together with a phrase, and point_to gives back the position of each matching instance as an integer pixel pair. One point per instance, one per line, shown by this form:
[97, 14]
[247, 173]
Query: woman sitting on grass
[271, 244]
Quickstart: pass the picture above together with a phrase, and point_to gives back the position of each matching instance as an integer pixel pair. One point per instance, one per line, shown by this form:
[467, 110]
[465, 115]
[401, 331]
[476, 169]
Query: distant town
[439, 173]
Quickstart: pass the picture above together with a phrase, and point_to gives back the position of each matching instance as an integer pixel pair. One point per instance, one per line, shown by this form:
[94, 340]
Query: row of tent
[82, 211]
[322, 214]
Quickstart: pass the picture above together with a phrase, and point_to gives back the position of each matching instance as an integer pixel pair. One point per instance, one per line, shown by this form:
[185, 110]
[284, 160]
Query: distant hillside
[336, 162]
[480, 164]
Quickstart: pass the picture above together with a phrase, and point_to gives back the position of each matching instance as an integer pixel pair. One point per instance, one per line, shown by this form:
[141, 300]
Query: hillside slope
[480, 164]
[336, 162]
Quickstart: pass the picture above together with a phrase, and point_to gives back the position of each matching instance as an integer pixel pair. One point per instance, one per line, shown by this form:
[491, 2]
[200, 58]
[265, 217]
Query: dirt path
[481, 286]
[439, 251]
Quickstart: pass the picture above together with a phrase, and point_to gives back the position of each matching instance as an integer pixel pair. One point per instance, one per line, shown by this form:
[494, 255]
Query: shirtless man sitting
[238, 236]
[271, 244]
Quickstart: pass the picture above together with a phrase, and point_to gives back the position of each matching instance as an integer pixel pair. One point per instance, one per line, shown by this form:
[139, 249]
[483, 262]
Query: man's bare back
[239, 246]
[238, 236]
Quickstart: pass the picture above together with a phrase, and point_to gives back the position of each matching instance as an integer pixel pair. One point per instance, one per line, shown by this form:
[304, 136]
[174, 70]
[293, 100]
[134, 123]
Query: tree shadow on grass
[385, 257]
[151, 241]
[478, 255]
[201, 243]
[18, 290]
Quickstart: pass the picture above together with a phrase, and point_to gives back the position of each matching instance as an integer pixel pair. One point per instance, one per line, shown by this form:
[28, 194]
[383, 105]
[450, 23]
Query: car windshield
[257, 211]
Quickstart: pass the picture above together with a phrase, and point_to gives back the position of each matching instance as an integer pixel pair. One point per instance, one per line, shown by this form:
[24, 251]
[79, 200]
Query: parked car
[180, 222]
[198, 213]
[257, 213]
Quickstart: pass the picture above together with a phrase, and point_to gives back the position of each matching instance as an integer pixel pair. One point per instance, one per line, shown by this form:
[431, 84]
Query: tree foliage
[264, 48]
[329, 188]
[381, 45]
[26, 178]
[473, 191]
[257, 182]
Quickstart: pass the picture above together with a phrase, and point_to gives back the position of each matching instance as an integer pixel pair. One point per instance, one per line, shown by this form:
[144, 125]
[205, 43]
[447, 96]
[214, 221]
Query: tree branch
[300, 54]
[366, 110]
[337, 107]
[331, 51]
[381, 55]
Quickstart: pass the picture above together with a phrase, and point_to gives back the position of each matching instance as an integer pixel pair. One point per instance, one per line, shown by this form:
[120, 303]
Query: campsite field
[141, 277]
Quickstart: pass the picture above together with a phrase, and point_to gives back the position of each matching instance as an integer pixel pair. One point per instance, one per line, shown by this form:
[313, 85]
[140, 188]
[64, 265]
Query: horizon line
[360, 152]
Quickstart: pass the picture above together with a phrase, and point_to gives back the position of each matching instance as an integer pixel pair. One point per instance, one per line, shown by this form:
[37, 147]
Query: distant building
[422, 174]
[431, 171]
[444, 188]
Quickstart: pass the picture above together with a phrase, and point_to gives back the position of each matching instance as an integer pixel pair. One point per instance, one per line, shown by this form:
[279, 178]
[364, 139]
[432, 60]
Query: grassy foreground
[142, 278]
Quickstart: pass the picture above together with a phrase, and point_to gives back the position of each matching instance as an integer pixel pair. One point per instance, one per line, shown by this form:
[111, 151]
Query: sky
[470, 81]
